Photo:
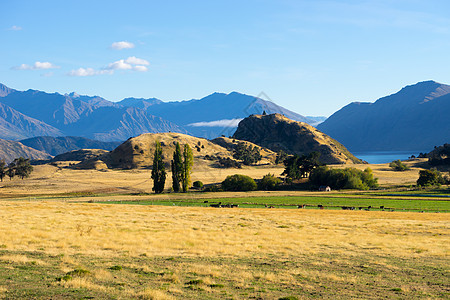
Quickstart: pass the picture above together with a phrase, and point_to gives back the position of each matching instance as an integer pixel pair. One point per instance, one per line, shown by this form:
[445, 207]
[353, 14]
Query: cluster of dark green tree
[181, 165]
[19, 166]
[244, 183]
[300, 166]
[440, 156]
[398, 165]
[348, 178]
[432, 178]
[248, 154]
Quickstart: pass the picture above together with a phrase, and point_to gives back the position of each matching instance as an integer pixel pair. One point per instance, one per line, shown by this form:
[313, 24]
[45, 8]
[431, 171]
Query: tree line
[181, 166]
[20, 167]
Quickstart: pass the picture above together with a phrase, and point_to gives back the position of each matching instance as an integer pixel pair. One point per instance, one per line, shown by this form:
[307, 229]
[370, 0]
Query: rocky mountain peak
[277, 132]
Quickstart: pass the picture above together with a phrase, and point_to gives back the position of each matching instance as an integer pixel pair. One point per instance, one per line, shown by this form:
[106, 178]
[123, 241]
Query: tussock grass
[192, 252]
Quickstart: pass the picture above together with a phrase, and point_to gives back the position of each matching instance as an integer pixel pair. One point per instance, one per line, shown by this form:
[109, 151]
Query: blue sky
[312, 57]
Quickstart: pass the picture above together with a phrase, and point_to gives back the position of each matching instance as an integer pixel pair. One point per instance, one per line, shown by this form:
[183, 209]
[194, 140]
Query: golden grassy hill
[9, 150]
[138, 152]
[80, 155]
[277, 132]
[268, 156]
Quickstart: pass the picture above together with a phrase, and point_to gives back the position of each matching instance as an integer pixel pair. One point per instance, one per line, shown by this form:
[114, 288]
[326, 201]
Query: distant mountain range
[415, 118]
[37, 113]
[25, 114]
[214, 115]
[58, 145]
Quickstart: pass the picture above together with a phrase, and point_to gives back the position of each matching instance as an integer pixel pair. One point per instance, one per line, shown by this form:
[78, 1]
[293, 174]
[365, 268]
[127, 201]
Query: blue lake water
[381, 157]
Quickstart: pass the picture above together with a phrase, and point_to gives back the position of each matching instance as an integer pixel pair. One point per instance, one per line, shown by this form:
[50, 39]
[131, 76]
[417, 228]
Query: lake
[381, 157]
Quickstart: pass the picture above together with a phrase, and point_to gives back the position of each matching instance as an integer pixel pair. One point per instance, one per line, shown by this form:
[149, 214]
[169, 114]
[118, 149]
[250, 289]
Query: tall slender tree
[2, 169]
[188, 162]
[177, 168]
[158, 170]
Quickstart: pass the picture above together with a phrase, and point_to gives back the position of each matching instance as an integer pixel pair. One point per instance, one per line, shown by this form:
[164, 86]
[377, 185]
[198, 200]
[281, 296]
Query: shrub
[268, 183]
[213, 188]
[348, 178]
[248, 154]
[78, 273]
[198, 184]
[239, 182]
[397, 165]
[229, 163]
[430, 178]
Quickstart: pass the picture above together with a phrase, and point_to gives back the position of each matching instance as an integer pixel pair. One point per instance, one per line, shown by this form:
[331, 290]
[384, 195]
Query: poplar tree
[188, 162]
[177, 168]
[158, 170]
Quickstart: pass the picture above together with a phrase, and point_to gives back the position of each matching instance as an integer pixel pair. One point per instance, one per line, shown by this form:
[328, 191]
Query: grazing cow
[382, 207]
[229, 205]
[301, 206]
[206, 201]
[320, 206]
[218, 205]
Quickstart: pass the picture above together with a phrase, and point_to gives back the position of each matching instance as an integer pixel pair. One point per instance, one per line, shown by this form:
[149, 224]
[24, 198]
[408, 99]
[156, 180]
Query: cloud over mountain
[132, 63]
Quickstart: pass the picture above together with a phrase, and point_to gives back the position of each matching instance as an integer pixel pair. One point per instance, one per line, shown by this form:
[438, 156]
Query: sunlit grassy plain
[165, 252]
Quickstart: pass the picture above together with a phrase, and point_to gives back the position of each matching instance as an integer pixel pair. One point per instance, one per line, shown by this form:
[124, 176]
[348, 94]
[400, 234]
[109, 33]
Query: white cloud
[36, 66]
[140, 68]
[131, 63]
[83, 72]
[119, 65]
[133, 60]
[122, 45]
[218, 123]
[15, 28]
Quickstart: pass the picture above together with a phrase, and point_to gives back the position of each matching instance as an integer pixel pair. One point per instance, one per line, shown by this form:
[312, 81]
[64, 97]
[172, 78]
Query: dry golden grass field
[55, 245]
[48, 179]
[154, 252]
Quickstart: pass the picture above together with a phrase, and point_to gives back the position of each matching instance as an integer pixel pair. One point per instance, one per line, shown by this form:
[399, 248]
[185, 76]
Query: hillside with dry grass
[276, 132]
[138, 152]
[9, 150]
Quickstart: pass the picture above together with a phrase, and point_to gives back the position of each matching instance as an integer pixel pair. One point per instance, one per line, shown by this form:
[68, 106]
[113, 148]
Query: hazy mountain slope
[91, 117]
[9, 150]
[415, 118]
[54, 109]
[15, 125]
[92, 100]
[214, 112]
[4, 90]
[276, 132]
[59, 145]
[317, 120]
[118, 124]
[139, 102]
